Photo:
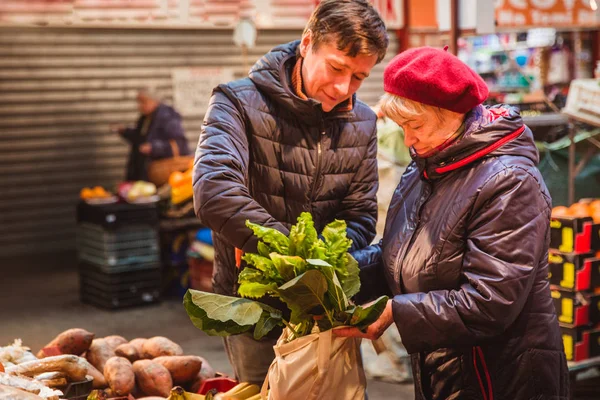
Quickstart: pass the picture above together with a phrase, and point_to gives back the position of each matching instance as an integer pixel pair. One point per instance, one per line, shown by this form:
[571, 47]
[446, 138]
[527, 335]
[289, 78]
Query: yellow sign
[568, 344]
[566, 314]
[555, 258]
[568, 280]
[567, 240]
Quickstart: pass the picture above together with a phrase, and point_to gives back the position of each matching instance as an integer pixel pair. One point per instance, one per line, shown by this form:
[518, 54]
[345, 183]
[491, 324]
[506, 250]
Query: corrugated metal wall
[61, 88]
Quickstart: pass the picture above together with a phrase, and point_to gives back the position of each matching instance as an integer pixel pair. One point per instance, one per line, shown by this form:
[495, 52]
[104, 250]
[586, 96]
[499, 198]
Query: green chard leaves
[314, 277]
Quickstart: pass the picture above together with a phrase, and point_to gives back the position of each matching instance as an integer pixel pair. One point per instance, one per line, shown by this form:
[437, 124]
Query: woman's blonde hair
[400, 108]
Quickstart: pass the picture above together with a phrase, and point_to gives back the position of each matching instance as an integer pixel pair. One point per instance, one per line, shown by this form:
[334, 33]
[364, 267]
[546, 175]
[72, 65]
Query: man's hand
[146, 148]
[116, 128]
[375, 330]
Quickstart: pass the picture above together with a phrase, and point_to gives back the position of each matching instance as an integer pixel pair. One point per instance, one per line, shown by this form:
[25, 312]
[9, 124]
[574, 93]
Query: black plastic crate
[120, 289]
[122, 249]
[115, 238]
[112, 216]
[77, 390]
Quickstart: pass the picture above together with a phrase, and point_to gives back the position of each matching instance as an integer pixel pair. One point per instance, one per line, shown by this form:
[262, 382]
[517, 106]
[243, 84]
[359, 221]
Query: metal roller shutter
[60, 88]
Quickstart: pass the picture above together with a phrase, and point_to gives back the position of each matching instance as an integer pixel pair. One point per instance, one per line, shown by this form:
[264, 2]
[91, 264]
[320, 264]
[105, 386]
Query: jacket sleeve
[172, 130]
[359, 207]
[505, 241]
[372, 279]
[222, 200]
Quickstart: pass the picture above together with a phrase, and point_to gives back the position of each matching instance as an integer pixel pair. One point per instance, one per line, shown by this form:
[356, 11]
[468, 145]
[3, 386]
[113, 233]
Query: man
[291, 137]
[157, 127]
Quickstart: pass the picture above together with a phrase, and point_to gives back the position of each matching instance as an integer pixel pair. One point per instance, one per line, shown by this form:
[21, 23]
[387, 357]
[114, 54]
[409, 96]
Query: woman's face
[428, 131]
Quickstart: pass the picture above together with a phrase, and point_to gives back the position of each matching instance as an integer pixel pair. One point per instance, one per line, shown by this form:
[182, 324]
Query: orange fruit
[176, 178]
[86, 193]
[560, 211]
[594, 206]
[596, 216]
[579, 210]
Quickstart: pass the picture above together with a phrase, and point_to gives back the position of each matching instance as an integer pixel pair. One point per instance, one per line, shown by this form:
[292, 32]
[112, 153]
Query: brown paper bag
[317, 366]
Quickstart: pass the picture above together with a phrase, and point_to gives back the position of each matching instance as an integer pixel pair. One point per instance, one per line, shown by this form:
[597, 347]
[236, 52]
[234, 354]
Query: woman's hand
[146, 148]
[375, 330]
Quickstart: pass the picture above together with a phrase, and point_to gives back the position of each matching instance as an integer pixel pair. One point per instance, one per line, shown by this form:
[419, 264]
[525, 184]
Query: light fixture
[594, 5]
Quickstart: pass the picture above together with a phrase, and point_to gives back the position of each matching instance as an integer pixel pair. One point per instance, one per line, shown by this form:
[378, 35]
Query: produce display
[315, 278]
[143, 368]
[96, 194]
[580, 209]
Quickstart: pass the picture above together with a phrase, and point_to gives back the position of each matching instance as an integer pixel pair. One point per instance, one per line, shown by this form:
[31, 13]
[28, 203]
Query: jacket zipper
[318, 168]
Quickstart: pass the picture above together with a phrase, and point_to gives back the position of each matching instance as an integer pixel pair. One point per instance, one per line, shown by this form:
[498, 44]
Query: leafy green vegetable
[221, 315]
[351, 282]
[315, 278]
[363, 317]
[266, 323]
[275, 240]
[302, 236]
[255, 290]
[304, 294]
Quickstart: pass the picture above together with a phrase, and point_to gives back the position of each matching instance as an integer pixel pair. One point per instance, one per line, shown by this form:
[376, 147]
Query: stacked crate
[119, 254]
[574, 273]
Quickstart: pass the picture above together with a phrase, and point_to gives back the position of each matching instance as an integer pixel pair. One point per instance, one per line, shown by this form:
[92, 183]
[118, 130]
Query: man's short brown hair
[354, 25]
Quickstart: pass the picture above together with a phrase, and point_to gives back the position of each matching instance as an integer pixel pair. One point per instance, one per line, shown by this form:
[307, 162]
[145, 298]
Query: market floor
[39, 299]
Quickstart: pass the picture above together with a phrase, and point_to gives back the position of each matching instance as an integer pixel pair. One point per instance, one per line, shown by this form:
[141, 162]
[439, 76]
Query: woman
[157, 132]
[465, 246]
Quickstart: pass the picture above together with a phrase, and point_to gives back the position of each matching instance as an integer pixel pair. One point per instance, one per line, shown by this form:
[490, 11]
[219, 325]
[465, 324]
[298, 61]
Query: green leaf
[363, 317]
[221, 321]
[318, 263]
[304, 294]
[335, 293]
[264, 264]
[286, 265]
[318, 250]
[249, 274]
[351, 282]
[263, 249]
[275, 240]
[302, 236]
[336, 243]
[256, 290]
[266, 323]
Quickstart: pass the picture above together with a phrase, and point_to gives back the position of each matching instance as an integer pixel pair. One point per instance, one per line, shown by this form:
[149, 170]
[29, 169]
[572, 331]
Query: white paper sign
[192, 87]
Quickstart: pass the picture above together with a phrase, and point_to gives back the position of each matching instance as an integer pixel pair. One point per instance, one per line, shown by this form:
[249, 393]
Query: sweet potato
[73, 367]
[98, 353]
[13, 393]
[152, 378]
[72, 341]
[119, 375]
[99, 380]
[128, 351]
[206, 372]
[182, 368]
[160, 346]
[138, 343]
[115, 341]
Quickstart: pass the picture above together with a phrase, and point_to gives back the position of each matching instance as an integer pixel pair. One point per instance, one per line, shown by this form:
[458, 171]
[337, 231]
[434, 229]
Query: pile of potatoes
[141, 367]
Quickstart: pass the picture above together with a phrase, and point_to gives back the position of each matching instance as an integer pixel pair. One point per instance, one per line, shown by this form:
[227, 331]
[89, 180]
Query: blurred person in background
[465, 247]
[291, 137]
[158, 126]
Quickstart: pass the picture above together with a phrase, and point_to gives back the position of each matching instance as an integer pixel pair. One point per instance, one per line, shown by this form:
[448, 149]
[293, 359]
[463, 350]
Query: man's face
[329, 75]
[146, 105]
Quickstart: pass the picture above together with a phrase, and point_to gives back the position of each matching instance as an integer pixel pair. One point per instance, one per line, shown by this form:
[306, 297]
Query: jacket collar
[488, 132]
[273, 73]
